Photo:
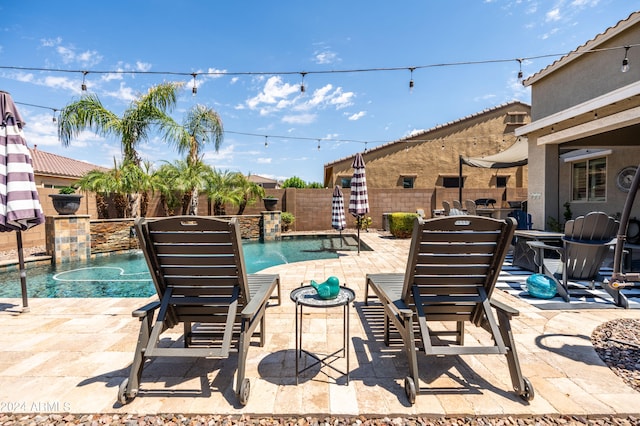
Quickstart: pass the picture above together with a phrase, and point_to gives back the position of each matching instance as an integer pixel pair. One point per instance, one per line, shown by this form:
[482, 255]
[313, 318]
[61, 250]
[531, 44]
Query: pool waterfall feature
[71, 238]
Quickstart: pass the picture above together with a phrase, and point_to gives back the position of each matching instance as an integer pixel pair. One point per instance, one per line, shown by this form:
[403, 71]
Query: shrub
[401, 224]
[67, 190]
[287, 220]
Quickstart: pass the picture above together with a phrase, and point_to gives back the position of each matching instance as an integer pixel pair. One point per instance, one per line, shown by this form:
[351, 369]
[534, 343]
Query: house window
[501, 181]
[407, 182]
[589, 180]
[516, 117]
[345, 182]
[450, 182]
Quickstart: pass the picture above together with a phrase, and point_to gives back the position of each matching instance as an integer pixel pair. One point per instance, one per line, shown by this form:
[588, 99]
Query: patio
[70, 355]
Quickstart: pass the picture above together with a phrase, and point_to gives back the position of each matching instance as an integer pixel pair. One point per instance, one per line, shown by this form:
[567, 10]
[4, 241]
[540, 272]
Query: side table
[308, 296]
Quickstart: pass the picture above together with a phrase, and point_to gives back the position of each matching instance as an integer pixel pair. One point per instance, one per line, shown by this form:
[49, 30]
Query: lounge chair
[457, 205]
[197, 266]
[587, 241]
[453, 266]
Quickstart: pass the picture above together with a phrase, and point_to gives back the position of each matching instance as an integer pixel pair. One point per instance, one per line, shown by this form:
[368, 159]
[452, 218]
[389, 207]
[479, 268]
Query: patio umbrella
[359, 200]
[20, 207]
[338, 220]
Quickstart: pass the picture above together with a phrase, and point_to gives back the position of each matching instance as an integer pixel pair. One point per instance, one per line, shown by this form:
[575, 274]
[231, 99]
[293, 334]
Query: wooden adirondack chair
[453, 265]
[197, 266]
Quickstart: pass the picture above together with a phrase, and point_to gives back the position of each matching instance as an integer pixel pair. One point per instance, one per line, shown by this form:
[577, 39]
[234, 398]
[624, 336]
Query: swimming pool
[127, 275]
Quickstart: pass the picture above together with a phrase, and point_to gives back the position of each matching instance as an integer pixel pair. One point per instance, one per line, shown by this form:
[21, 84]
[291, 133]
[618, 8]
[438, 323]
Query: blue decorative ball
[541, 286]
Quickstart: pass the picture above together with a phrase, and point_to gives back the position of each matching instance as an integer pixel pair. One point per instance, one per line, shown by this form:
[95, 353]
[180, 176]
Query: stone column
[68, 238]
[271, 229]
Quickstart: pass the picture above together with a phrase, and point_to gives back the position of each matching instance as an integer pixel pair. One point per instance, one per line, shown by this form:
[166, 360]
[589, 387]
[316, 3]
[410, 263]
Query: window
[589, 180]
[345, 182]
[450, 182]
[516, 117]
[407, 182]
[501, 181]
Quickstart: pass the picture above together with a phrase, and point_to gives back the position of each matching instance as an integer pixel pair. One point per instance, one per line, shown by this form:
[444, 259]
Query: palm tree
[201, 126]
[188, 179]
[134, 126]
[223, 188]
[250, 191]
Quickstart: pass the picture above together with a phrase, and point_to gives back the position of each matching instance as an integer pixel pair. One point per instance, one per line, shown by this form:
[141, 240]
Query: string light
[84, 85]
[54, 114]
[520, 75]
[411, 80]
[304, 73]
[194, 89]
[266, 141]
[289, 137]
[625, 61]
[302, 88]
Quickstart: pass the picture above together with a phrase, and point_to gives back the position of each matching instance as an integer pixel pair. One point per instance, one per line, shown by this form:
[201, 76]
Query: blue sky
[260, 50]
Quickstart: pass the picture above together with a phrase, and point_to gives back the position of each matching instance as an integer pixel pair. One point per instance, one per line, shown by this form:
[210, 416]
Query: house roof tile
[46, 163]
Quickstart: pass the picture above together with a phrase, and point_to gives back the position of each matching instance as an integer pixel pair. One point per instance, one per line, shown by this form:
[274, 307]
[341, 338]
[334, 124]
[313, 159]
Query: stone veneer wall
[112, 235]
[68, 238]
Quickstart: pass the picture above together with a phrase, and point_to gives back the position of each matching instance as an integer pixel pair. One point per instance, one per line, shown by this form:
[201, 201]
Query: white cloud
[357, 115]
[263, 160]
[62, 83]
[143, 66]
[326, 57]
[123, 93]
[553, 15]
[299, 119]
[274, 90]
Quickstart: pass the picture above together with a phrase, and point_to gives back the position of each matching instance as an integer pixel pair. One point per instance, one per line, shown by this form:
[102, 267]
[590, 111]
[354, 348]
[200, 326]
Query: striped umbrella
[359, 200]
[20, 207]
[338, 220]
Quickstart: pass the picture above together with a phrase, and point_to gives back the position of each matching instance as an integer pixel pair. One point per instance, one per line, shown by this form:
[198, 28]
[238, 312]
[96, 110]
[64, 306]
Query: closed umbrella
[359, 200]
[338, 220]
[20, 207]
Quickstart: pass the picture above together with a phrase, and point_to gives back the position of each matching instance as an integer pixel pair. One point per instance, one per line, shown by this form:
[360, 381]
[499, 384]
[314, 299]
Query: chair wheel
[528, 393]
[410, 389]
[123, 398]
[245, 390]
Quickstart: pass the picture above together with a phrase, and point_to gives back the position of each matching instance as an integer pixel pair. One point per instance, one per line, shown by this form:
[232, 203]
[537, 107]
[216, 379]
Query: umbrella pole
[23, 273]
[358, 221]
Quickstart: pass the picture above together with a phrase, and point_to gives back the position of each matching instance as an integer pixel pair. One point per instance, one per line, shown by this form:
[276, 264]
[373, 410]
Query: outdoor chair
[457, 205]
[587, 241]
[453, 266]
[198, 270]
[446, 207]
[470, 205]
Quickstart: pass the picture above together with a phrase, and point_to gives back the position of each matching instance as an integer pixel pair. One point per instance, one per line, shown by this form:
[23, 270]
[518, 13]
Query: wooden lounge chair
[587, 241]
[446, 206]
[197, 266]
[457, 205]
[453, 266]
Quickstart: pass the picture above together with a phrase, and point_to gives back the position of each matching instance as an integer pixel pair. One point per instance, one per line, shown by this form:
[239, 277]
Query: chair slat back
[456, 256]
[197, 257]
[586, 243]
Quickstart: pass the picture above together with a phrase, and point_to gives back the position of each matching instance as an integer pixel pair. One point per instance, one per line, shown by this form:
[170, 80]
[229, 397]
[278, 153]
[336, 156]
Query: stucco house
[431, 159]
[584, 135]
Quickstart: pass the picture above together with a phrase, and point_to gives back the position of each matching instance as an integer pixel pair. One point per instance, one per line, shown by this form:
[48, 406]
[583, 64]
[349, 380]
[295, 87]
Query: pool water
[127, 275]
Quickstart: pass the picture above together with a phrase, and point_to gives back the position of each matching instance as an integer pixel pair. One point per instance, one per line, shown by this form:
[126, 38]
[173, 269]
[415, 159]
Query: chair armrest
[512, 312]
[400, 309]
[543, 245]
[143, 311]
[258, 300]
